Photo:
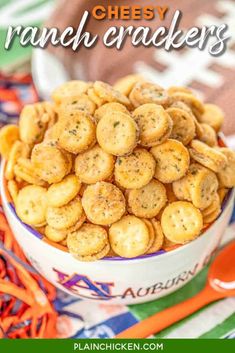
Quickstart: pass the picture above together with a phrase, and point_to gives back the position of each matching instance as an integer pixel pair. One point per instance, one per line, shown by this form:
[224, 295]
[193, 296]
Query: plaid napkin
[80, 319]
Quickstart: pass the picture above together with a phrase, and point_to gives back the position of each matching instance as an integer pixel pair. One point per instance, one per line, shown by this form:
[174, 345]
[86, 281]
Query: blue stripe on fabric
[108, 328]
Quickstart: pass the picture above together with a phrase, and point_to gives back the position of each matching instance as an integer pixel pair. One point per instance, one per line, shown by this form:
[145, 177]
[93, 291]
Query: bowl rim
[142, 258]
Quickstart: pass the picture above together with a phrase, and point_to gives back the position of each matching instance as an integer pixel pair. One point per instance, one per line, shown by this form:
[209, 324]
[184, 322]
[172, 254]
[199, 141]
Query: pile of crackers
[122, 170]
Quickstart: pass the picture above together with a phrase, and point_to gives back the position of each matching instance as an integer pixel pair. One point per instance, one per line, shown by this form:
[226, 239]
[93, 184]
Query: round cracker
[95, 98]
[151, 232]
[212, 116]
[154, 123]
[19, 149]
[71, 105]
[207, 135]
[88, 243]
[117, 133]
[213, 210]
[109, 108]
[62, 193]
[94, 165]
[66, 216]
[103, 203]
[55, 235]
[136, 170]
[126, 83]
[158, 237]
[109, 94]
[71, 89]
[129, 237]
[31, 205]
[189, 99]
[211, 217]
[52, 134]
[33, 121]
[203, 185]
[181, 188]
[183, 125]
[214, 205]
[147, 201]
[226, 175]
[181, 222]
[77, 132]
[26, 175]
[172, 159]
[207, 156]
[51, 164]
[146, 92]
[9, 134]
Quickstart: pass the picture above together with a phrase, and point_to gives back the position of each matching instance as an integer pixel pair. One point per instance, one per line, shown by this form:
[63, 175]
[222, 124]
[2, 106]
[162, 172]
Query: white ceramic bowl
[116, 280]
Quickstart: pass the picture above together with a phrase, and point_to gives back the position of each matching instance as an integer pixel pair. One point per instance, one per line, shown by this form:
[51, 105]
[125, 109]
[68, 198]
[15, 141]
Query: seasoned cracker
[158, 237]
[103, 203]
[172, 160]
[89, 243]
[126, 83]
[214, 205]
[181, 222]
[51, 164]
[94, 165]
[212, 211]
[109, 108]
[71, 89]
[129, 237]
[34, 120]
[226, 175]
[151, 232]
[136, 170]
[31, 205]
[183, 125]
[95, 98]
[9, 134]
[71, 105]
[66, 216]
[146, 92]
[77, 132]
[147, 201]
[207, 135]
[25, 174]
[53, 133]
[212, 116]
[55, 235]
[19, 149]
[189, 99]
[203, 185]
[181, 188]
[154, 123]
[117, 133]
[207, 156]
[109, 94]
[60, 194]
